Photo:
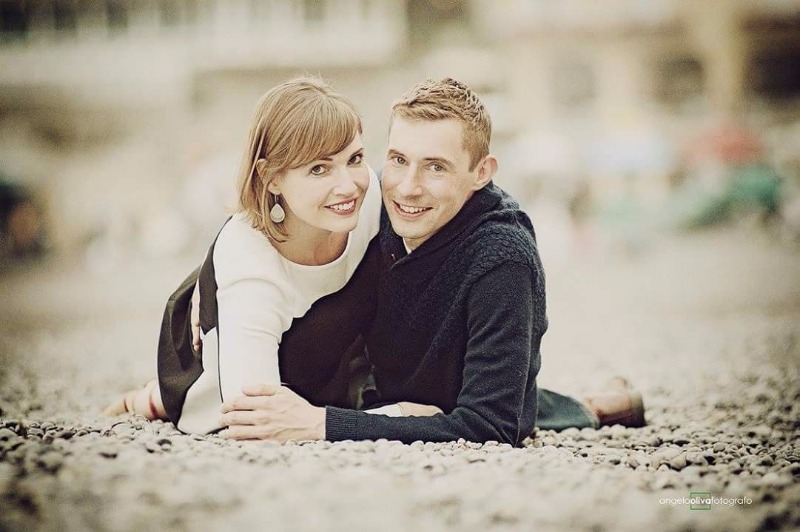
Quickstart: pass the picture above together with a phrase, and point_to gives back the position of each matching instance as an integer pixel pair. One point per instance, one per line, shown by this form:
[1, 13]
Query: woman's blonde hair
[295, 123]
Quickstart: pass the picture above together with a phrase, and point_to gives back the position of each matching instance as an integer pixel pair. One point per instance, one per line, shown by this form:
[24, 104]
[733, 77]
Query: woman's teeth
[344, 206]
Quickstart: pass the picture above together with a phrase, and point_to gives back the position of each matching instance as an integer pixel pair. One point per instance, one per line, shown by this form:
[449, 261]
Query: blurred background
[122, 123]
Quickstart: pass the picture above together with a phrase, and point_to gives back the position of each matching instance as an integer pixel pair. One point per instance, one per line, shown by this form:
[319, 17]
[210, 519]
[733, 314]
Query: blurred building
[109, 105]
[117, 109]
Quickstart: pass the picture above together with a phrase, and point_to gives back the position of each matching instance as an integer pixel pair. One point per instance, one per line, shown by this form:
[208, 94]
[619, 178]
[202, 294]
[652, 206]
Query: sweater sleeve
[505, 323]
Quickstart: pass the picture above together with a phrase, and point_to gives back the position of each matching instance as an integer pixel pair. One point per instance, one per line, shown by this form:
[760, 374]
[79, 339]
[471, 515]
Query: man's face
[426, 179]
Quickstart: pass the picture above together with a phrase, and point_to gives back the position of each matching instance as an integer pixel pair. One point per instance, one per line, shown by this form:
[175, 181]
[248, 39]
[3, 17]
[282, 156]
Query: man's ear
[486, 170]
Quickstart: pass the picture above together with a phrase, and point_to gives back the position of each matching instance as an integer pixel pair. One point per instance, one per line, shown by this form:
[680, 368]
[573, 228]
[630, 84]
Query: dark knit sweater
[458, 325]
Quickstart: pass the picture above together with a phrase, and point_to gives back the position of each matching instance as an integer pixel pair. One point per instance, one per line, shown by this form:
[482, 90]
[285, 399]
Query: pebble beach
[706, 326]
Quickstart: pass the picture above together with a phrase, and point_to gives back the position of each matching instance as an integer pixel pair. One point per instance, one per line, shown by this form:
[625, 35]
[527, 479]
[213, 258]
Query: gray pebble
[774, 480]
[51, 461]
[679, 462]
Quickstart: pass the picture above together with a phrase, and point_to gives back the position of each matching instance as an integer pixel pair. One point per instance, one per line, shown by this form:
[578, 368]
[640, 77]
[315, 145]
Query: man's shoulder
[503, 239]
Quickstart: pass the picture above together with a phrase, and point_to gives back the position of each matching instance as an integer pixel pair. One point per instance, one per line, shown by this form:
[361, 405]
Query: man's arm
[505, 325]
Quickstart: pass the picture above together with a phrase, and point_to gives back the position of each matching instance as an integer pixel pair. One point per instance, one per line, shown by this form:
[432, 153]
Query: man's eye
[399, 159]
[317, 170]
[437, 168]
[357, 158]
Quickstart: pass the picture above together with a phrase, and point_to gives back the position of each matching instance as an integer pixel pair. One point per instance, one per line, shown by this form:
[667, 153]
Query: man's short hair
[449, 99]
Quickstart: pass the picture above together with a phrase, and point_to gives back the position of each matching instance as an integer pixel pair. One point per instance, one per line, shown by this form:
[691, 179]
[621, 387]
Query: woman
[308, 208]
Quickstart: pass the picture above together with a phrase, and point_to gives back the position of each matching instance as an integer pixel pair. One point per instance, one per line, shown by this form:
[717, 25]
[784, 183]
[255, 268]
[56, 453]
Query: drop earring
[276, 213]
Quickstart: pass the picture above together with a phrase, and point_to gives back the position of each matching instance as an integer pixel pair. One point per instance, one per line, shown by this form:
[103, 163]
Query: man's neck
[408, 248]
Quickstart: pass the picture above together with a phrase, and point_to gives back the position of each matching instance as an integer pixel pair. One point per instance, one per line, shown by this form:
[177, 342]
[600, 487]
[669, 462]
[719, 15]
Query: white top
[259, 293]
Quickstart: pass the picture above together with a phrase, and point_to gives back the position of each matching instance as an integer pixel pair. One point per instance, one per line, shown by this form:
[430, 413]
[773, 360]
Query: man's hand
[275, 413]
[194, 319]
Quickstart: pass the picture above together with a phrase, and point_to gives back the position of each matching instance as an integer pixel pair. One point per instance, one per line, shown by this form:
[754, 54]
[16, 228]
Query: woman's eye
[357, 158]
[317, 170]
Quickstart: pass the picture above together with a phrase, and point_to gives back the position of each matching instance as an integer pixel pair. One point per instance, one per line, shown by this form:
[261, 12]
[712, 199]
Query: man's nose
[410, 183]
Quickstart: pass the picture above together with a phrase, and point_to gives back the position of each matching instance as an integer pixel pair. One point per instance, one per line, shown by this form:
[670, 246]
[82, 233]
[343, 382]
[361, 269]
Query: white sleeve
[392, 410]
[250, 327]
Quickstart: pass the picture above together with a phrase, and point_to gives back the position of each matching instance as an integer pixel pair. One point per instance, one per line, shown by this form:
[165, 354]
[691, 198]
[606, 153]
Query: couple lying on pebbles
[336, 306]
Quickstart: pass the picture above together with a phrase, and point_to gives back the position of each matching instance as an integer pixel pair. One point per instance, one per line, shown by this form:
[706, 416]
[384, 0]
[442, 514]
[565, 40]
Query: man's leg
[559, 412]
[618, 403]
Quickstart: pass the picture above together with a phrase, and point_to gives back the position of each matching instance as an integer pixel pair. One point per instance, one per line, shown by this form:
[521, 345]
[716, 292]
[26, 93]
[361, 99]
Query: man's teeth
[411, 210]
[344, 206]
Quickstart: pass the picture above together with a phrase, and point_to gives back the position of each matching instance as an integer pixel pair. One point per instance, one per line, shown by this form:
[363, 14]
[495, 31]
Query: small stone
[693, 470]
[51, 461]
[719, 447]
[654, 441]
[663, 481]
[761, 431]
[65, 434]
[664, 455]
[696, 459]
[7, 434]
[679, 462]
[774, 480]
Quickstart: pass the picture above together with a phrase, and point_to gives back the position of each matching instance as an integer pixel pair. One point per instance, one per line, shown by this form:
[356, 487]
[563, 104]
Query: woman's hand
[418, 410]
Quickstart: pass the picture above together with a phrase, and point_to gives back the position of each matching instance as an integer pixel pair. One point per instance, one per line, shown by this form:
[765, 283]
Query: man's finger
[254, 390]
[240, 417]
[243, 402]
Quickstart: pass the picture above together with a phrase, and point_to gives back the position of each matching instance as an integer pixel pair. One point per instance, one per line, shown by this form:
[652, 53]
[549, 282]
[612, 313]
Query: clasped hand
[271, 412]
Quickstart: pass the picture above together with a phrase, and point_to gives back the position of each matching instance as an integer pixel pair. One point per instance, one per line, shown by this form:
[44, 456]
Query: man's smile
[410, 211]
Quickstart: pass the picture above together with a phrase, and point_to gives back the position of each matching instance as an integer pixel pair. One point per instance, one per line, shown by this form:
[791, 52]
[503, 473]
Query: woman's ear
[261, 168]
[263, 174]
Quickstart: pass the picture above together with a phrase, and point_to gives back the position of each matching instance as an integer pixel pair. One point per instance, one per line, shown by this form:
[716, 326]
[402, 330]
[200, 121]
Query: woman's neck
[312, 248]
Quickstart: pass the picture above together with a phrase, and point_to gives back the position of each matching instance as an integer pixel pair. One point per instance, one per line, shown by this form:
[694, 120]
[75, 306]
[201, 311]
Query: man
[460, 306]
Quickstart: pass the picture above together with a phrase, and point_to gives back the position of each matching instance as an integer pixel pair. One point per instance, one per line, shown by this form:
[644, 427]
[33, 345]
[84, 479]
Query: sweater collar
[482, 202]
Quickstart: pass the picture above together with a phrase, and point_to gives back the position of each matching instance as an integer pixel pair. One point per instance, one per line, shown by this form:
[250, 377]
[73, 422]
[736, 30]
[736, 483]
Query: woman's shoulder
[243, 252]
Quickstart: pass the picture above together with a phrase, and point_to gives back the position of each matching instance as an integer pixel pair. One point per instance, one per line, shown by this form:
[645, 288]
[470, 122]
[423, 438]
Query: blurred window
[13, 23]
[313, 11]
[117, 15]
[169, 12]
[574, 84]
[774, 75]
[65, 16]
[678, 81]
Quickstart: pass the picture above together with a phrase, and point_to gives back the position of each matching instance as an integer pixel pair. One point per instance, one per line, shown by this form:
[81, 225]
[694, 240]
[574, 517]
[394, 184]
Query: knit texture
[458, 325]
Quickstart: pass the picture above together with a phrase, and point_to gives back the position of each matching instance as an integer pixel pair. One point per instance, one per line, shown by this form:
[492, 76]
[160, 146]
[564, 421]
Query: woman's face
[325, 194]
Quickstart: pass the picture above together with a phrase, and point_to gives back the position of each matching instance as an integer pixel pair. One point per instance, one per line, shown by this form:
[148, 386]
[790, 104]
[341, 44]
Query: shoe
[620, 404]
